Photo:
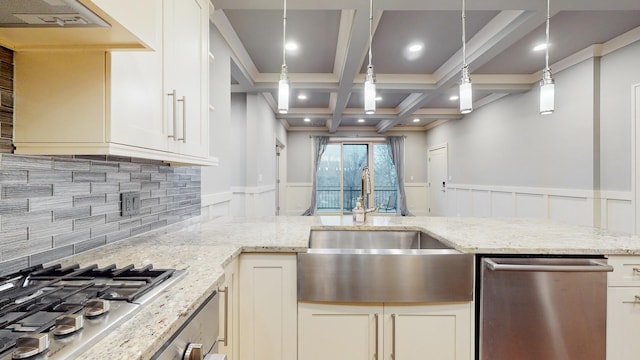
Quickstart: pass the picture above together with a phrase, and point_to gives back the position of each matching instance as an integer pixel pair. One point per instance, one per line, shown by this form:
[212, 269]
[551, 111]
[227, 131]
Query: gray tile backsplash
[53, 207]
[6, 100]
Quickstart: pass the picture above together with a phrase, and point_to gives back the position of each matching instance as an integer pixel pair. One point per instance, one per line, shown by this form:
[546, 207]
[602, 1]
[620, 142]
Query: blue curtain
[396, 150]
[319, 146]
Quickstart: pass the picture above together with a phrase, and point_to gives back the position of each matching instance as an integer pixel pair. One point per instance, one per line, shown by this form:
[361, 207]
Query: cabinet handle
[193, 352]
[636, 271]
[174, 104]
[636, 300]
[184, 119]
[393, 336]
[375, 353]
[226, 314]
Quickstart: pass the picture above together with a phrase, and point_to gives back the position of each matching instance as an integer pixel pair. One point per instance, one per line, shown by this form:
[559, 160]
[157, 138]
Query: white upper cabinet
[186, 85]
[130, 27]
[116, 103]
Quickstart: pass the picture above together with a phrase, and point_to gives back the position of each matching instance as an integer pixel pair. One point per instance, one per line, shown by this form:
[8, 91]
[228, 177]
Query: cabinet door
[440, 332]
[228, 339]
[623, 323]
[136, 94]
[186, 35]
[339, 332]
[268, 307]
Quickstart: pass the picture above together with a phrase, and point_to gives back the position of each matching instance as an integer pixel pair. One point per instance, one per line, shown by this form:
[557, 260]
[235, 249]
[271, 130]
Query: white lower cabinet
[267, 307]
[228, 339]
[623, 308]
[376, 331]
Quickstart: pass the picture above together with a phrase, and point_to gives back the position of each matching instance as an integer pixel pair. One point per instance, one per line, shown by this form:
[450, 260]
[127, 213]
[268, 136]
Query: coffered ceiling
[327, 69]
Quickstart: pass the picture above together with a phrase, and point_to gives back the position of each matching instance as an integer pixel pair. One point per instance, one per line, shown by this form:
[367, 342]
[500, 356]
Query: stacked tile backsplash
[53, 207]
[6, 100]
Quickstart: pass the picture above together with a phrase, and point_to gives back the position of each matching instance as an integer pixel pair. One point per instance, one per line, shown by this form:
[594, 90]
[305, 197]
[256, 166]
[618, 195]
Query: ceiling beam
[502, 31]
[358, 45]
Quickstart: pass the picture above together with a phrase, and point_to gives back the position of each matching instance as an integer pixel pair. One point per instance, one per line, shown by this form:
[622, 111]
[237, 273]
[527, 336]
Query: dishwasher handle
[590, 266]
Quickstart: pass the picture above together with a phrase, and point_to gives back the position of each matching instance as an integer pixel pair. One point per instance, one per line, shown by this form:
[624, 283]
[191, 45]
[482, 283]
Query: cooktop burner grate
[31, 300]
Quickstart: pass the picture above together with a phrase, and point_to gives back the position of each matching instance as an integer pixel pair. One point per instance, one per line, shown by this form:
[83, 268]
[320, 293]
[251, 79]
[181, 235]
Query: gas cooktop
[59, 312]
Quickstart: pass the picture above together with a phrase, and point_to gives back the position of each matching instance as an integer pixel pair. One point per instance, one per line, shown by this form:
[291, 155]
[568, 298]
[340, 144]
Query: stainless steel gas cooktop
[59, 312]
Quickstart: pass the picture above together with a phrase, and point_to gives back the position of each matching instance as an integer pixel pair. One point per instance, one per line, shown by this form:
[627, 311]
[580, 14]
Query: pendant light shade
[370, 78]
[369, 92]
[547, 87]
[283, 84]
[547, 93]
[466, 91]
[283, 91]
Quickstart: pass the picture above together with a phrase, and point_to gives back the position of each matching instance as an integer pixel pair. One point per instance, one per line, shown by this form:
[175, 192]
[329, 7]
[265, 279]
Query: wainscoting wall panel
[608, 210]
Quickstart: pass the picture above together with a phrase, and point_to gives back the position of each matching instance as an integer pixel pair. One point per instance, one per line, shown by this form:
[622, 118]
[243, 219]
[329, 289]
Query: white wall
[254, 133]
[574, 166]
[299, 165]
[620, 71]
[243, 137]
[216, 180]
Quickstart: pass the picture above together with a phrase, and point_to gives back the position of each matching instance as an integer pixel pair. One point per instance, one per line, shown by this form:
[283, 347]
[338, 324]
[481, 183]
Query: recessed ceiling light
[307, 120]
[454, 97]
[540, 47]
[378, 98]
[416, 120]
[291, 46]
[360, 120]
[415, 47]
[302, 97]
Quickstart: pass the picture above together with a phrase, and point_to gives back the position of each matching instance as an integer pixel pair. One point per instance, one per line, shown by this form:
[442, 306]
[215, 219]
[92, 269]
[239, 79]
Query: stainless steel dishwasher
[543, 308]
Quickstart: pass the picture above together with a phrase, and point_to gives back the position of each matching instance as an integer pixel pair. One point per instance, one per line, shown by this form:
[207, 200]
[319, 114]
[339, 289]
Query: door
[339, 332]
[186, 72]
[267, 307]
[441, 331]
[340, 177]
[623, 323]
[228, 343]
[543, 308]
[280, 174]
[636, 185]
[437, 173]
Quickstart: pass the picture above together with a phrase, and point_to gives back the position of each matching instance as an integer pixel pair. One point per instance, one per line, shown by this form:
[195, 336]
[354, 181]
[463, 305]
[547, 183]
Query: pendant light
[283, 84]
[370, 80]
[547, 87]
[466, 94]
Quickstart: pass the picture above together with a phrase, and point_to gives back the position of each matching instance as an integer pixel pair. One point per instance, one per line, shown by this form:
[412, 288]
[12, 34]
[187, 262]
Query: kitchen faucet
[365, 189]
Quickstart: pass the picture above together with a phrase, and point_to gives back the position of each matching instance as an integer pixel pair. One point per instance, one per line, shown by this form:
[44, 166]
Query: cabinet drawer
[623, 323]
[626, 271]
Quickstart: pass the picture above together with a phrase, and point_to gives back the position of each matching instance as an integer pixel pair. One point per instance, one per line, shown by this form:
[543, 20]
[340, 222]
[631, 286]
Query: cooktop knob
[67, 324]
[30, 345]
[96, 307]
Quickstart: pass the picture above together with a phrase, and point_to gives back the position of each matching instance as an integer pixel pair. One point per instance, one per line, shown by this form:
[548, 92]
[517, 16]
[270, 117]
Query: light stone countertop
[203, 248]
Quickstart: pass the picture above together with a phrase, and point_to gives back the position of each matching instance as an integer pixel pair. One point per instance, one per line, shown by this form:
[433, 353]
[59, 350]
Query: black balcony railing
[328, 198]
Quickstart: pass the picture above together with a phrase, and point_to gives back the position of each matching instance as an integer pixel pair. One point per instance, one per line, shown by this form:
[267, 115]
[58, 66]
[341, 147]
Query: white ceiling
[333, 38]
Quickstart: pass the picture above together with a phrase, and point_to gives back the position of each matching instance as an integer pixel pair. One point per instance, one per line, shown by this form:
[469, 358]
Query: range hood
[47, 13]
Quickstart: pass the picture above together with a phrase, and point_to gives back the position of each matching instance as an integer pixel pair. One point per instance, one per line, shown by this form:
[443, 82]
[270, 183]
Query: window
[339, 177]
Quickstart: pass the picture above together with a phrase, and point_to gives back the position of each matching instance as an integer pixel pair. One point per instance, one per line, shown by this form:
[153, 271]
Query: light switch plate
[130, 203]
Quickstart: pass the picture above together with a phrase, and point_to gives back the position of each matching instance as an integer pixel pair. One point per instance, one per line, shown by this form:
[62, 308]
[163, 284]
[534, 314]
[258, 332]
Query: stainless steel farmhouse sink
[382, 266]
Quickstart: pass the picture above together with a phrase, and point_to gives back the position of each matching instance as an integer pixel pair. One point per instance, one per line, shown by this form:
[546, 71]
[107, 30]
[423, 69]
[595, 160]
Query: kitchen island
[203, 248]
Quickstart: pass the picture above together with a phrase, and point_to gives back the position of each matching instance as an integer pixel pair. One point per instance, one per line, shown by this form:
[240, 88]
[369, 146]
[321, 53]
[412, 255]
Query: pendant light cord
[464, 36]
[370, 28]
[284, 34]
[546, 59]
